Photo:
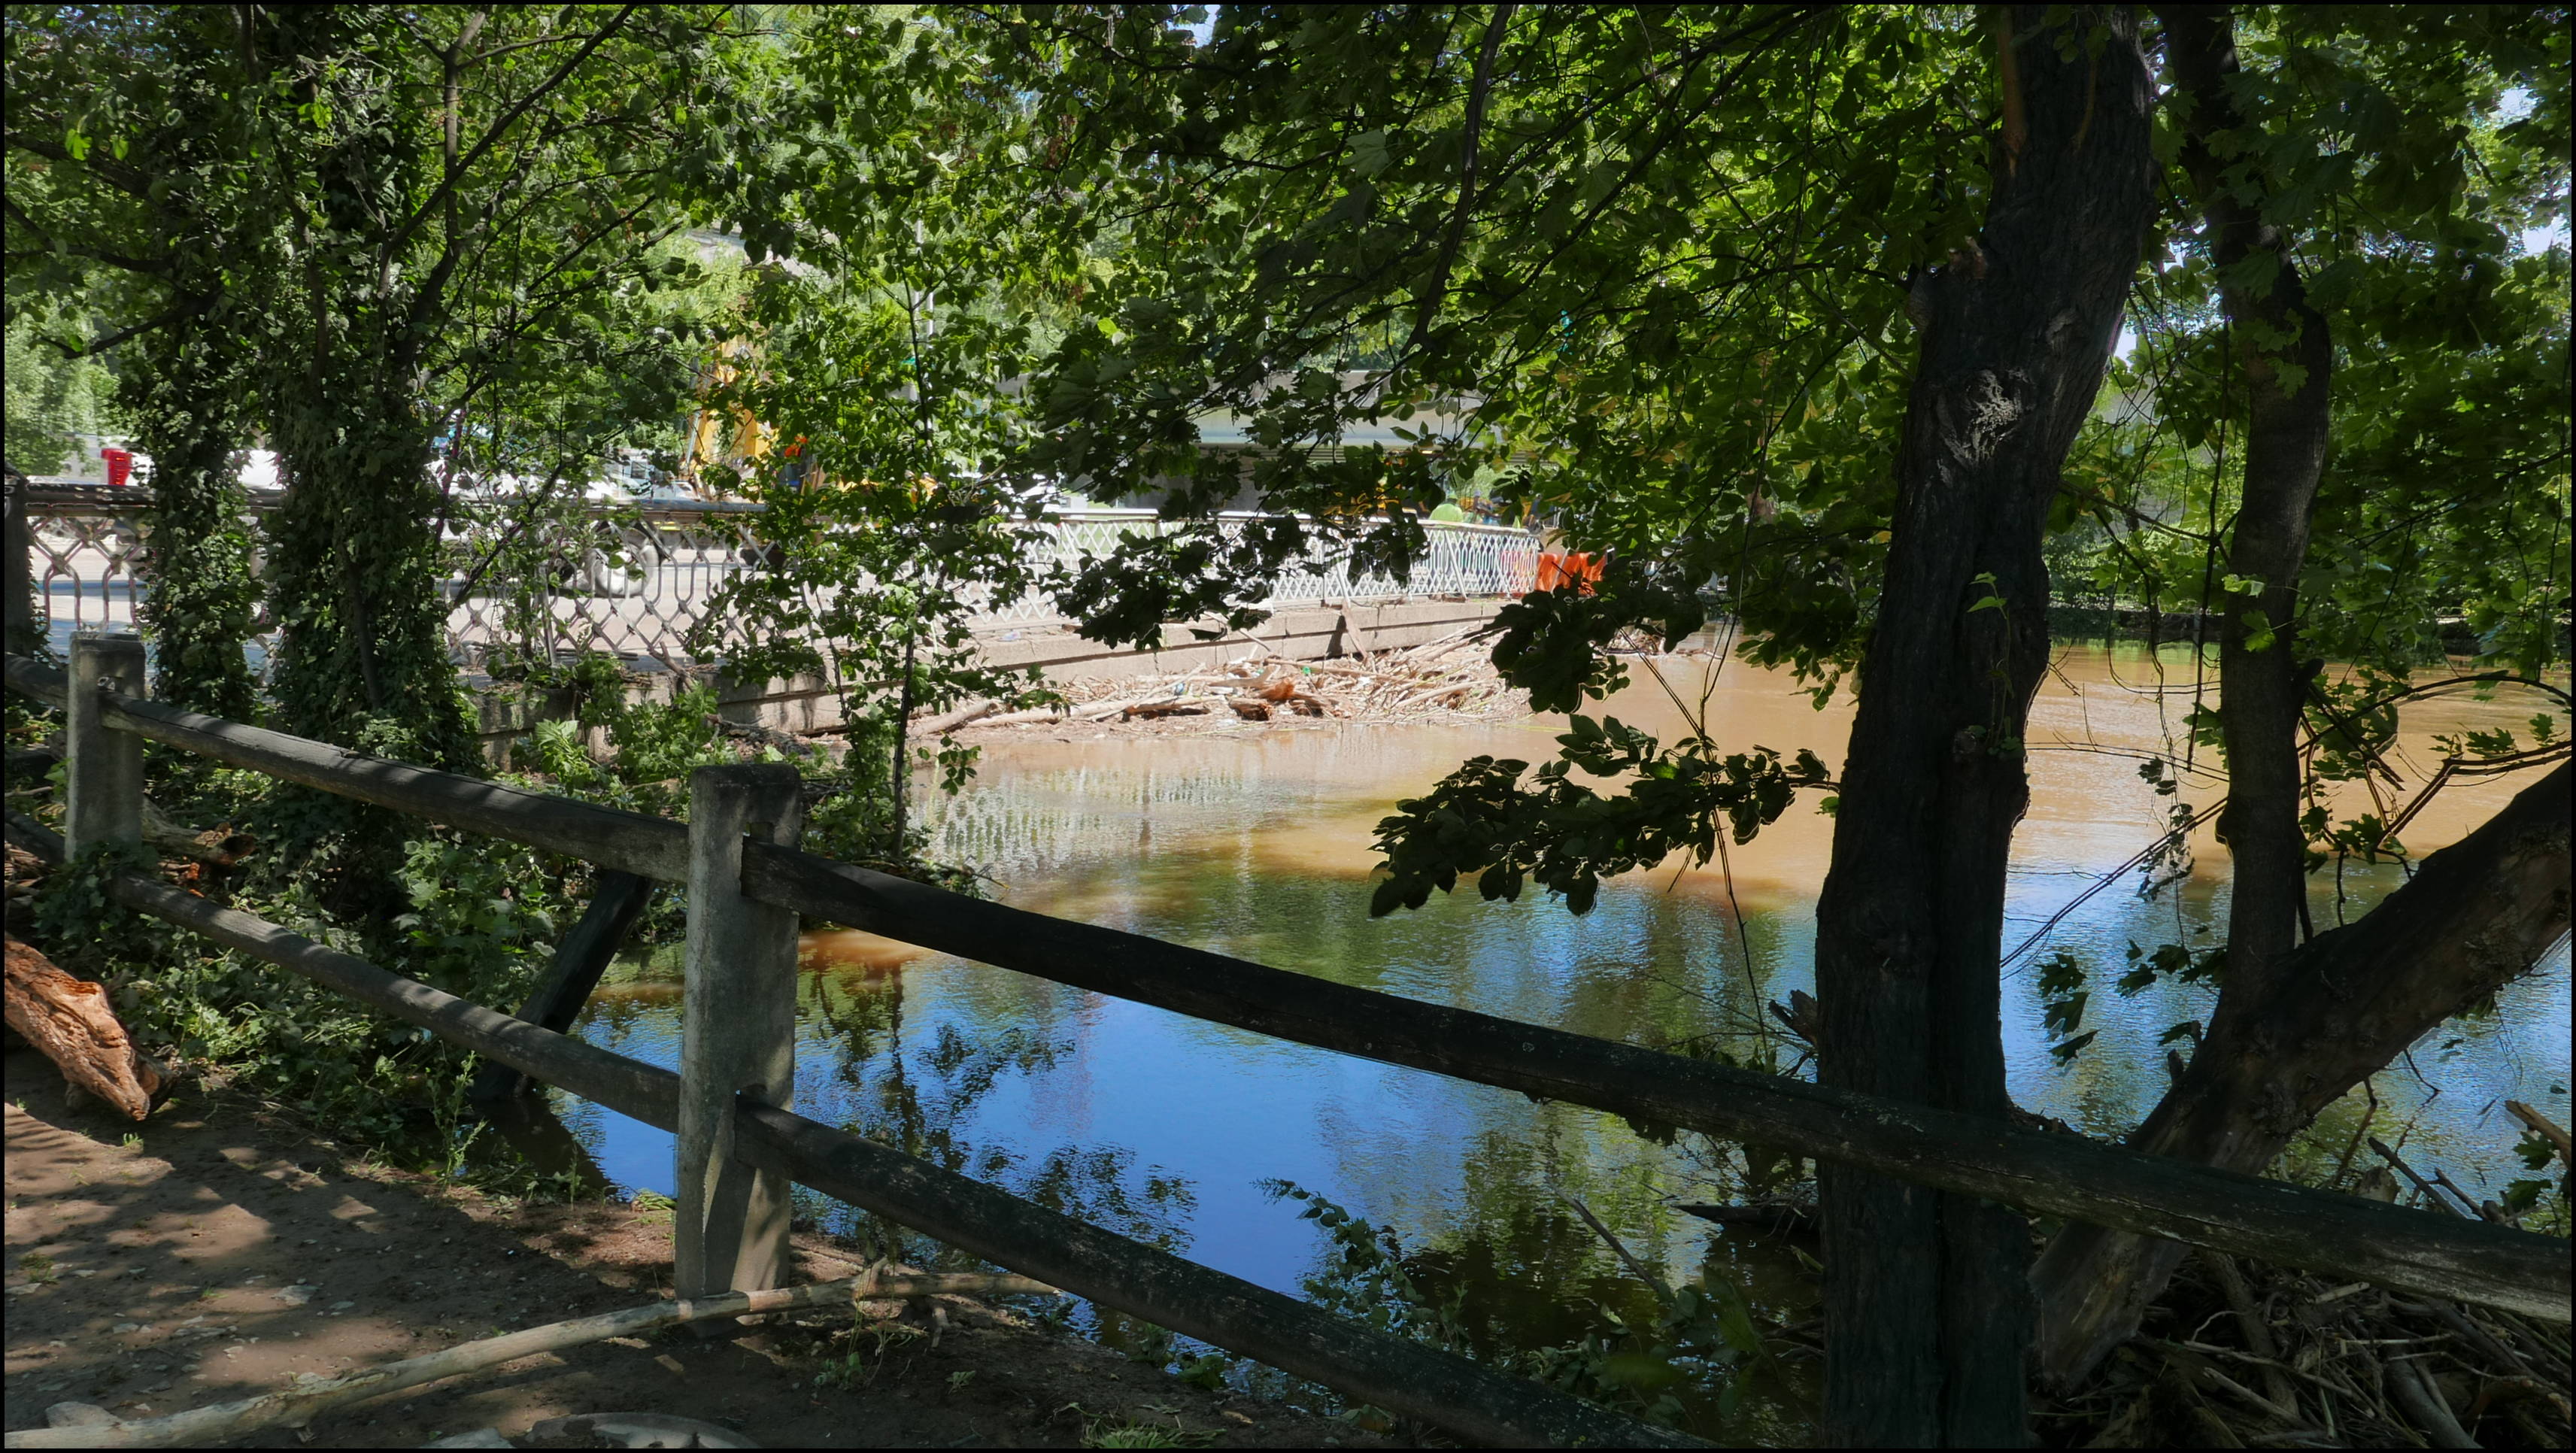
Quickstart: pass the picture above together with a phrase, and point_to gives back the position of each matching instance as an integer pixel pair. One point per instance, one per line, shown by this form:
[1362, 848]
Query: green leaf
[2065, 1053]
[1368, 152]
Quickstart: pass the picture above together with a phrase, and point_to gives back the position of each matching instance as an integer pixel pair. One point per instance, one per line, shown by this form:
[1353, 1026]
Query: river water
[1256, 843]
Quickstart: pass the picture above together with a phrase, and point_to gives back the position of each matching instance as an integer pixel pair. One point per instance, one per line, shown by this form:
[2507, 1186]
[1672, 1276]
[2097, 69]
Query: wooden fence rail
[2050, 1173]
[1401, 1376]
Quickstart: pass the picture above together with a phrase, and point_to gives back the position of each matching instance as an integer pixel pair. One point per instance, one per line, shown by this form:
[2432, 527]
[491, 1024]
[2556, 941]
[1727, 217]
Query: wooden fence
[740, 1143]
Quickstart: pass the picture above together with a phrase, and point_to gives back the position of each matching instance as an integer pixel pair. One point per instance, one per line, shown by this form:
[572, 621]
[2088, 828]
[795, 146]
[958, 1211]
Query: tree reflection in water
[916, 1099]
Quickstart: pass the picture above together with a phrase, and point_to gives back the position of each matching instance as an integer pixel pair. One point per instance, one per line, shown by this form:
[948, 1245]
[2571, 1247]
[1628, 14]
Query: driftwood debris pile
[2250, 1358]
[2238, 1355]
[1445, 679]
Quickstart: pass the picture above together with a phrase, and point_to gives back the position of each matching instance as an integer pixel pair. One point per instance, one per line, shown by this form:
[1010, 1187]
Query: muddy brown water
[1256, 843]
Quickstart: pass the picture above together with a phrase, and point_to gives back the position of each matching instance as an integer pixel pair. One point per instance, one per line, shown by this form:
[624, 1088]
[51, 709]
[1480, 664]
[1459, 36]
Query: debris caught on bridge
[1447, 679]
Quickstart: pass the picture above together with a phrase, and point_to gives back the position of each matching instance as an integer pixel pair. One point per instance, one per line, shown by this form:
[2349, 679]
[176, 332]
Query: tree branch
[112, 259]
[1478, 90]
[435, 201]
[130, 180]
[184, 310]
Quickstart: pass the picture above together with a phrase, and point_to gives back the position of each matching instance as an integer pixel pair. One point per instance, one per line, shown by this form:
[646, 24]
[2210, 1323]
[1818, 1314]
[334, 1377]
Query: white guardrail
[641, 578]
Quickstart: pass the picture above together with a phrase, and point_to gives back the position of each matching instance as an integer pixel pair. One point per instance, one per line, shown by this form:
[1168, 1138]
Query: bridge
[633, 583]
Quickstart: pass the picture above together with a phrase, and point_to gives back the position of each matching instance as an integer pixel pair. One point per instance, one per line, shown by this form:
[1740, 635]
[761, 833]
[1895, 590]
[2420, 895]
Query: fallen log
[1335, 668]
[1173, 706]
[1023, 718]
[1098, 709]
[69, 1020]
[296, 1406]
[221, 847]
[951, 721]
[1431, 651]
[1432, 695]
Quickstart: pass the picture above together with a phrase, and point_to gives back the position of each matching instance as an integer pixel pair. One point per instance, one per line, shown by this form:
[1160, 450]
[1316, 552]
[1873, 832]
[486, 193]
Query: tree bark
[356, 567]
[17, 576]
[2286, 352]
[1928, 1317]
[354, 575]
[68, 1019]
[2476, 916]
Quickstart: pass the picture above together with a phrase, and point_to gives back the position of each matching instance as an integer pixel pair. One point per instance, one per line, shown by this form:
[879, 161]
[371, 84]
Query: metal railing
[636, 581]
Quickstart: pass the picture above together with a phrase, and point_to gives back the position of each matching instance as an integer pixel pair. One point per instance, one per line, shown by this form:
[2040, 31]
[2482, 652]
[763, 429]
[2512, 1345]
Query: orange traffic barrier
[1561, 569]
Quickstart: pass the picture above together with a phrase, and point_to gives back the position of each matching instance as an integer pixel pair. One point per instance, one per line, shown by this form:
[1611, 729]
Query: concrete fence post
[103, 771]
[738, 1033]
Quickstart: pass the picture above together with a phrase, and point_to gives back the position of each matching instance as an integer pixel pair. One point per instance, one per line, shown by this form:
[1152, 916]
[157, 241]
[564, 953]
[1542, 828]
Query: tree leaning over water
[2302, 247]
[1661, 260]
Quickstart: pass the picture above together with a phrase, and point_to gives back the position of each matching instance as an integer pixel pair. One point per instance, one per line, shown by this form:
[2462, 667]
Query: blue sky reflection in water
[1255, 844]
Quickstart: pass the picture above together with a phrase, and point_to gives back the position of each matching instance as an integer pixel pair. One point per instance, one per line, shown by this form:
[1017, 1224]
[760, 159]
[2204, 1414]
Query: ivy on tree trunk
[197, 551]
[355, 578]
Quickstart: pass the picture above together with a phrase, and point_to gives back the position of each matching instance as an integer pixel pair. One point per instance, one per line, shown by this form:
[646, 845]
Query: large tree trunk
[187, 399]
[1927, 1308]
[355, 576]
[357, 570]
[2476, 916]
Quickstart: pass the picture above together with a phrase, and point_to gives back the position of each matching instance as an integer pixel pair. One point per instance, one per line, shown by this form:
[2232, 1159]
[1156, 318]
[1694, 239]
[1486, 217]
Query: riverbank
[224, 1248]
[1449, 679]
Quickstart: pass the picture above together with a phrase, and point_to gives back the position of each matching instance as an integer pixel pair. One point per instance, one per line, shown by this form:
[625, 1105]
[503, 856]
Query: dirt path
[220, 1250]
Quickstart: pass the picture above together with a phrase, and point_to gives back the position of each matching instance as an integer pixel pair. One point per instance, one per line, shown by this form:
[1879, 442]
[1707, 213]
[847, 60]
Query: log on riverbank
[69, 1020]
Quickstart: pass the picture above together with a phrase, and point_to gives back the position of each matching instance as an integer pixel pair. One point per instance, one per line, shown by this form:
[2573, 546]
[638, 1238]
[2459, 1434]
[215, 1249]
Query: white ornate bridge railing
[634, 581]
